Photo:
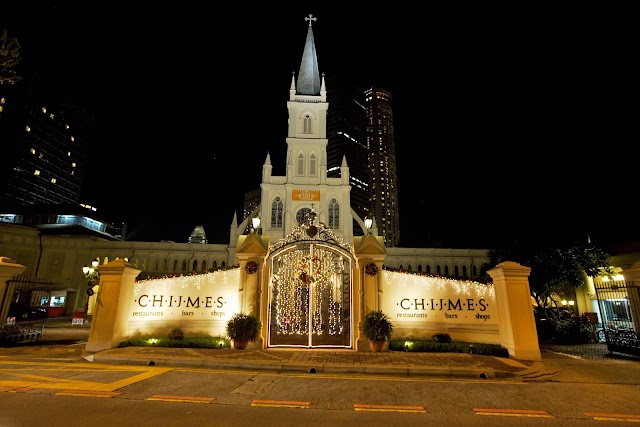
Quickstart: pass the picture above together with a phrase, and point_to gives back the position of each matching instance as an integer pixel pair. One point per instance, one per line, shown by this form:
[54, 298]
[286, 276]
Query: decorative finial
[310, 18]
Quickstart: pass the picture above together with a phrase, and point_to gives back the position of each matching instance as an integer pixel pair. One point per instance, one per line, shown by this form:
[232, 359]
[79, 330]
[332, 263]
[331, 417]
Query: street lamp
[368, 222]
[255, 221]
[91, 274]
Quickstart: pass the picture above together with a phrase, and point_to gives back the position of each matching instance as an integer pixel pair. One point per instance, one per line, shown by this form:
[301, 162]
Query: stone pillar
[8, 269]
[113, 305]
[633, 293]
[518, 332]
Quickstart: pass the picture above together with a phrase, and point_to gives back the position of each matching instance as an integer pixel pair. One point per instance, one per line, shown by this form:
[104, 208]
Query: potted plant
[377, 326]
[242, 328]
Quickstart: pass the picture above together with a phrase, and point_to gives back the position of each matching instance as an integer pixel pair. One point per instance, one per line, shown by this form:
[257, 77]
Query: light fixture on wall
[255, 222]
[91, 274]
[368, 222]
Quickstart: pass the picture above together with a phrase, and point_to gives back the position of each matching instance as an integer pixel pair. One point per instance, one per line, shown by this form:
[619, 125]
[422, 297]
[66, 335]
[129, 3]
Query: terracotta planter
[240, 345]
[376, 346]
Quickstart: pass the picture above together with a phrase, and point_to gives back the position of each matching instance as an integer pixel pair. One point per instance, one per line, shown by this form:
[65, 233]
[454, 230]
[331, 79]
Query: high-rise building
[382, 164]
[346, 132]
[45, 137]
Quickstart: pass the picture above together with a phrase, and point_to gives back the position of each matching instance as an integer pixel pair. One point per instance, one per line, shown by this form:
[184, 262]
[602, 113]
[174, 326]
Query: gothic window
[302, 213]
[204, 266]
[195, 265]
[166, 265]
[175, 265]
[215, 264]
[428, 269]
[312, 165]
[184, 266]
[307, 124]
[446, 270]
[438, 270]
[464, 271]
[334, 214]
[276, 213]
[300, 169]
[455, 271]
[474, 270]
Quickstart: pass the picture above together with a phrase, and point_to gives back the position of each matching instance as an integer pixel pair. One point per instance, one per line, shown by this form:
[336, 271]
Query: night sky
[510, 124]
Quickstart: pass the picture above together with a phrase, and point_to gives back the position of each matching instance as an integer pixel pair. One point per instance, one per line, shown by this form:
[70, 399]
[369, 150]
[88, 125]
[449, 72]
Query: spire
[267, 161]
[309, 76]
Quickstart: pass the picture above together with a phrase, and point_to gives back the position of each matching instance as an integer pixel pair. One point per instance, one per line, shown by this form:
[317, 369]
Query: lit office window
[37, 172]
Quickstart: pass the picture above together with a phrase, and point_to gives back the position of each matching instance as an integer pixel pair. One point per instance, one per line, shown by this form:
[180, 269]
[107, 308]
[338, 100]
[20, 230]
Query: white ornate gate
[310, 302]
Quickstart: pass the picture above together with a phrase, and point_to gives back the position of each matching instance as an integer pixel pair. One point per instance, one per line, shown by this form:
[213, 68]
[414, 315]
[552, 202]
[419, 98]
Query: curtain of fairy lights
[307, 292]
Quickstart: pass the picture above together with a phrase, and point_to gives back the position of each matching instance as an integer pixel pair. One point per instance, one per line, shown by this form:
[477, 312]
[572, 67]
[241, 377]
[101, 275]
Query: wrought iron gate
[619, 303]
[310, 298]
[310, 288]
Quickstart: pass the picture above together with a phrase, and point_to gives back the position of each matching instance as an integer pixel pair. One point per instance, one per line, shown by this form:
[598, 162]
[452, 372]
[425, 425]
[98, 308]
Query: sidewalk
[299, 360]
[59, 330]
[322, 361]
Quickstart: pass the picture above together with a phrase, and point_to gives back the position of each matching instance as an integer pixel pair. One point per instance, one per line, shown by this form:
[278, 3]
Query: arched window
[215, 265]
[446, 270]
[166, 265]
[428, 269]
[300, 170]
[409, 268]
[455, 271]
[334, 214]
[184, 266]
[276, 213]
[475, 271]
[204, 266]
[312, 165]
[156, 266]
[307, 124]
[464, 271]
[438, 269]
[419, 268]
[175, 265]
[195, 265]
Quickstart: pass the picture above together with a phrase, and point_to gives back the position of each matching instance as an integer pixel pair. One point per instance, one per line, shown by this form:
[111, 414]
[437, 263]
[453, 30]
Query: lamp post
[255, 222]
[91, 273]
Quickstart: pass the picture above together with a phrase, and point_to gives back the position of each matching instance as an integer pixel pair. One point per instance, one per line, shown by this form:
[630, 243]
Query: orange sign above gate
[305, 195]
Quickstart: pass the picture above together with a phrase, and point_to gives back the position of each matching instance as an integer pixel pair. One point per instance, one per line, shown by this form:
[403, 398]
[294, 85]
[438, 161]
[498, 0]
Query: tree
[9, 58]
[554, 271]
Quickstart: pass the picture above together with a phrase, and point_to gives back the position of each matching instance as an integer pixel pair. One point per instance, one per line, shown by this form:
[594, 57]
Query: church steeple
[309, 75]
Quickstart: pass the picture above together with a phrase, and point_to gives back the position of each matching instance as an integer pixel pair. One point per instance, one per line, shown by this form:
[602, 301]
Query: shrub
[243, 327]
[176, 334]
[441, 337]
[377, 326]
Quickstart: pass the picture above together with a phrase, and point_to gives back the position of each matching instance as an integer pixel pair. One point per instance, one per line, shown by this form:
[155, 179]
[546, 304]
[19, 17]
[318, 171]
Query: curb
[323, 368]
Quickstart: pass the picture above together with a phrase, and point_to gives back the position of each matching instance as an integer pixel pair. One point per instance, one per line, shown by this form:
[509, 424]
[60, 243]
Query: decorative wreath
[371, 269]
[251, 267]
[303, 269]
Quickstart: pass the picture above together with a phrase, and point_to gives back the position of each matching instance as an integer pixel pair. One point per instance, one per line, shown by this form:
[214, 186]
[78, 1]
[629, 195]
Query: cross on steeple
[310, 18]
[312, 206]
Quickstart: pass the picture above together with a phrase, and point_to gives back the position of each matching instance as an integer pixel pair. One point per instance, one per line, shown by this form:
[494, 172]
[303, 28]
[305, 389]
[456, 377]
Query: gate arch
[310, 289]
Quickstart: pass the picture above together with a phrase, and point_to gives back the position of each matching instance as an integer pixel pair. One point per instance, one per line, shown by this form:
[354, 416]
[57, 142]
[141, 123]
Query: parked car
[23, 312]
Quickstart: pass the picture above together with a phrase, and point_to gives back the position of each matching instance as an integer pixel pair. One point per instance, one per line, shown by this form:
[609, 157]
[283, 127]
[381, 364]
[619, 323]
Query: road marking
[187, 399]
[48, 382]
[281, 404]
[513, 413]
[88, 393]
[597, 416]
[388, 408]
